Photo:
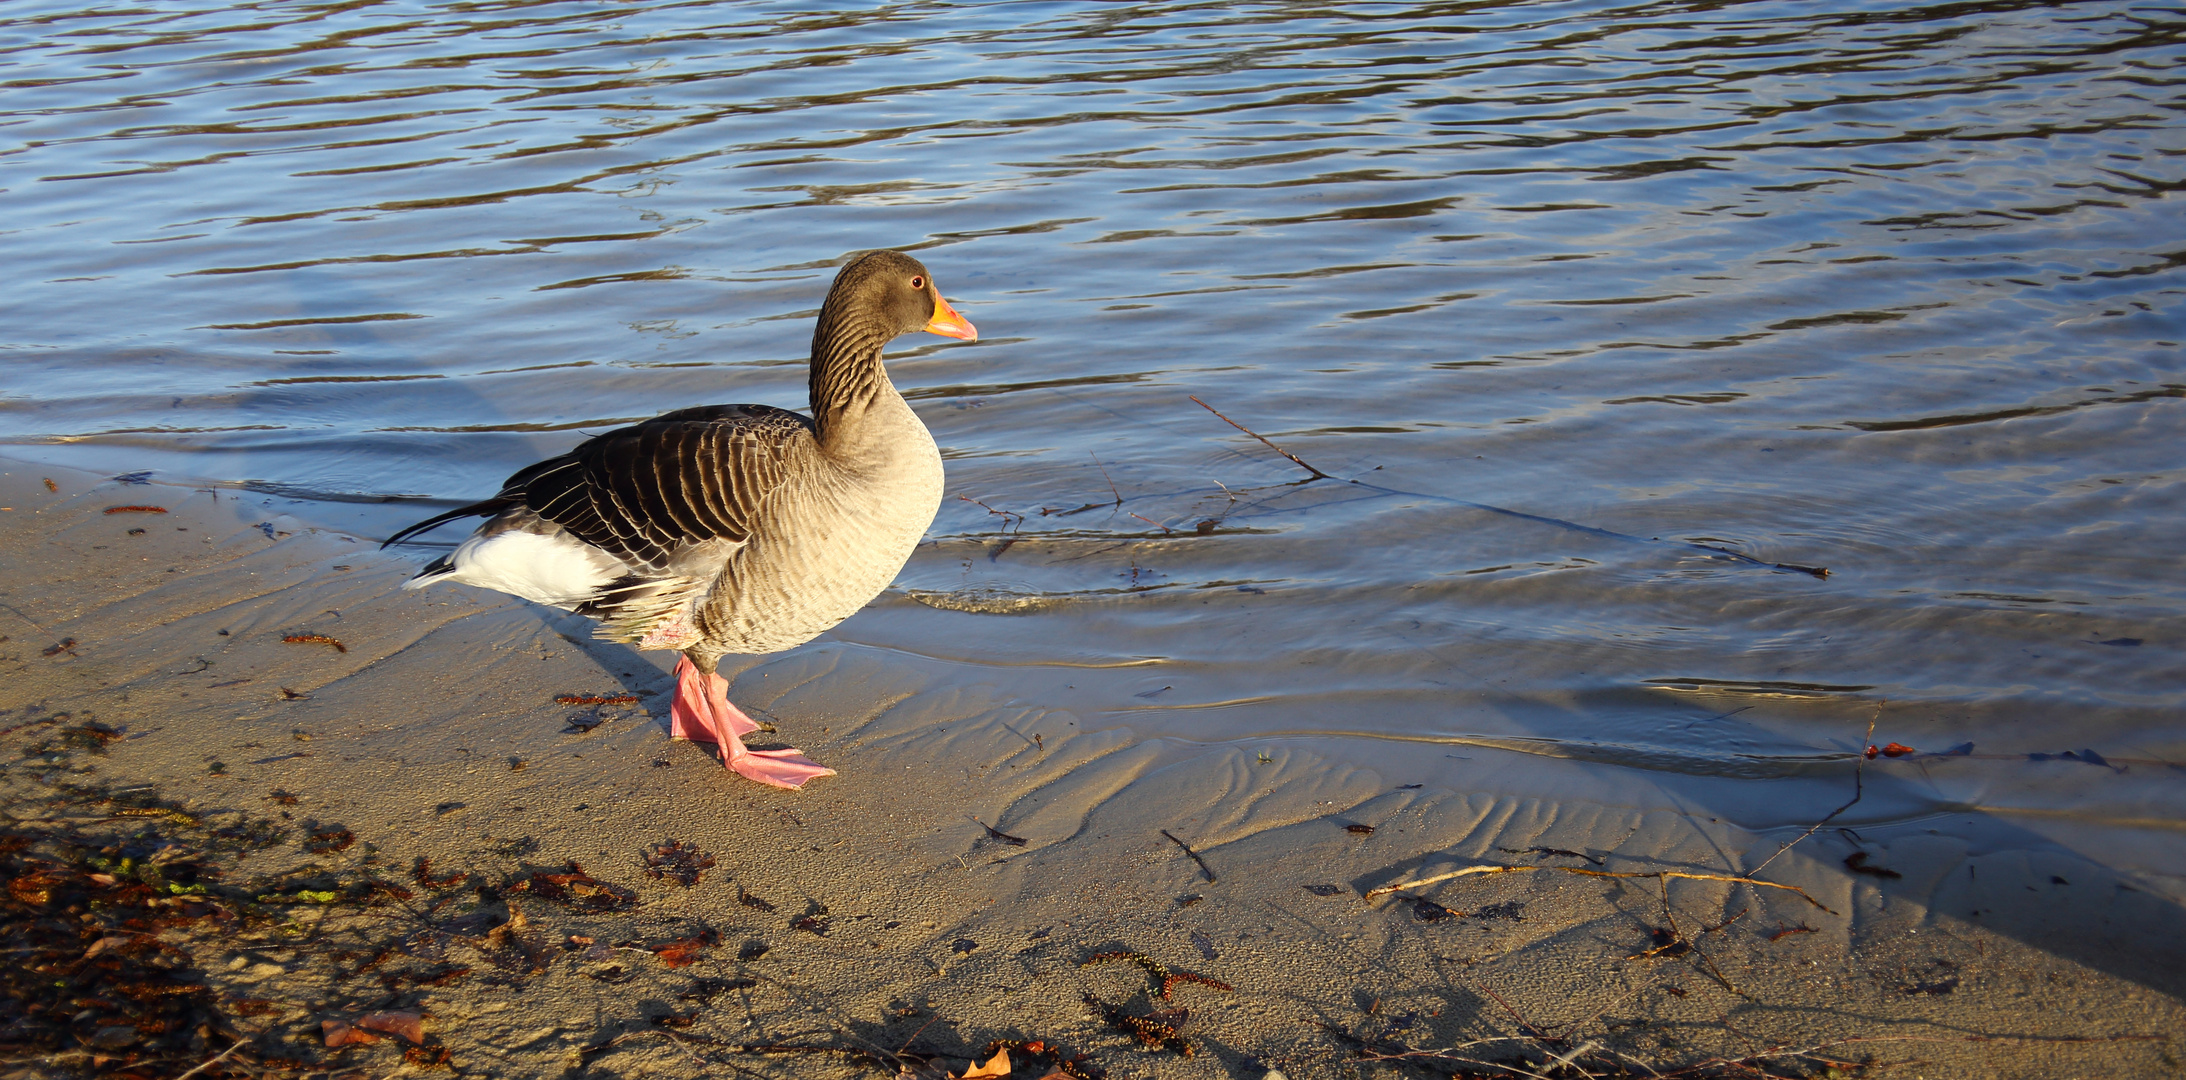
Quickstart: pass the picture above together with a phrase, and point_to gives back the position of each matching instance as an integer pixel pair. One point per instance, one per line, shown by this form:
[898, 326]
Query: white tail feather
[560, 569]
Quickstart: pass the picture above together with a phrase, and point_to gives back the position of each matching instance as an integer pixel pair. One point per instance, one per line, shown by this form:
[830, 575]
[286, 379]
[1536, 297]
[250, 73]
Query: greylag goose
[732, 528]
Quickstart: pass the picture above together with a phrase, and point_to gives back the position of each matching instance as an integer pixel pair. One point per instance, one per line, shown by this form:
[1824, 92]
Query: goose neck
[847, 376]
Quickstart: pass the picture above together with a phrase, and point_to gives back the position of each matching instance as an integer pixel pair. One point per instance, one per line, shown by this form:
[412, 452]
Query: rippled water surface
[1552, 293]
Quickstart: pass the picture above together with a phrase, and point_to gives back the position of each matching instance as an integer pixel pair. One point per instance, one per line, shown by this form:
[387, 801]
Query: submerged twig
[1009, 517]
[1104, 475]
[1295, 459]
[1859, 766]
[1820, 572]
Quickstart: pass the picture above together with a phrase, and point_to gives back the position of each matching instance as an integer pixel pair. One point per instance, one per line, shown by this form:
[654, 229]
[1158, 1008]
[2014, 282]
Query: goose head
[893, 294]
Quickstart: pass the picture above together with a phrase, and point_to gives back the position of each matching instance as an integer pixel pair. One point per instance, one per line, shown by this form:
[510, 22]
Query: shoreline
[974, 854]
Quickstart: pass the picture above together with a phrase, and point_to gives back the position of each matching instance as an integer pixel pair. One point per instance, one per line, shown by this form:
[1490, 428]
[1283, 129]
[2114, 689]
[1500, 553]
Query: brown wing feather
[643, 492]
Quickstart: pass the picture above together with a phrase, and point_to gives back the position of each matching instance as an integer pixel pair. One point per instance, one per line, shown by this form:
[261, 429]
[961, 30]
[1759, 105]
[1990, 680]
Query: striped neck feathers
[847, 374]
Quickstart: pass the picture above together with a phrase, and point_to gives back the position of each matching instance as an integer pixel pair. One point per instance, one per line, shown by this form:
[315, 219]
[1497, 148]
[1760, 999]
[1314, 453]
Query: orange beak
[948, 323]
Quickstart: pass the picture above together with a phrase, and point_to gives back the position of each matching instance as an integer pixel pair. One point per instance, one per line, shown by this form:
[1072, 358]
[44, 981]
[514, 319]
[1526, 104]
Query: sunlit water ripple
[1889, 289]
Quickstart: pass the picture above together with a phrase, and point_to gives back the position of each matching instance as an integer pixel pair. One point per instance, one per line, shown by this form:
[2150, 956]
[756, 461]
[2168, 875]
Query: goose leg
[701, 713]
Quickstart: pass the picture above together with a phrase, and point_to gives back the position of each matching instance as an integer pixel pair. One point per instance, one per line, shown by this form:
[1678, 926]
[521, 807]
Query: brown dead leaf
[409, 1025]
[340, 1033]
[574, 887]
[998, 1065]
[683, 952]
[102, 945]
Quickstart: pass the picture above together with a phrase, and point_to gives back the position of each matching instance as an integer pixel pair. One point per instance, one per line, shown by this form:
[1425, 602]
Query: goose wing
[646, 492]
[666, 500]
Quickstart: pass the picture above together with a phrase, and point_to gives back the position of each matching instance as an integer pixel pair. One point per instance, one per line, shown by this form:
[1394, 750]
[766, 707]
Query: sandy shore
[876, 911]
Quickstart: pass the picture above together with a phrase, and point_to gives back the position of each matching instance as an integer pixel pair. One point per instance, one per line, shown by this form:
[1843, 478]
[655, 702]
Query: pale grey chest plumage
[828, 539]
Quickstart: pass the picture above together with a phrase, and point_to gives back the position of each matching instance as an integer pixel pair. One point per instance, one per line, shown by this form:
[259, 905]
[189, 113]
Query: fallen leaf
[998, 1065]
[102, 945]
[339, 1033]
[576, 888]
[409, 1025]
[683, 952]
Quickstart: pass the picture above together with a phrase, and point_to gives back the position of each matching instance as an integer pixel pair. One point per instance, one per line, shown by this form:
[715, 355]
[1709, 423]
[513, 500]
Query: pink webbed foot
[701, 713]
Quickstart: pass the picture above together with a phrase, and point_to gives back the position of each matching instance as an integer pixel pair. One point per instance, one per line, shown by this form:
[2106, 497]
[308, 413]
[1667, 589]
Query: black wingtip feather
[477, 509]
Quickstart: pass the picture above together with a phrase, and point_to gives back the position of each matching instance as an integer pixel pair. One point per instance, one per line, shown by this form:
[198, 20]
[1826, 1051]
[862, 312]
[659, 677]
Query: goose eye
[918, 282]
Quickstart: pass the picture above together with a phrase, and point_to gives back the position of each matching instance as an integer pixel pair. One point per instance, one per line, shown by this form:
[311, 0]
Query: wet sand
[876, 910]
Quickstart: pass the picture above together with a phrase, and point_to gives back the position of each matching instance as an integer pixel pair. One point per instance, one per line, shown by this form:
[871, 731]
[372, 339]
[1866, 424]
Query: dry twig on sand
[1489, 868]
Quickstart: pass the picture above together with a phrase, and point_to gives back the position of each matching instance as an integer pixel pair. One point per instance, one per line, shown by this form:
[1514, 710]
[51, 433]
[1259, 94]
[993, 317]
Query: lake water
[1551, 292]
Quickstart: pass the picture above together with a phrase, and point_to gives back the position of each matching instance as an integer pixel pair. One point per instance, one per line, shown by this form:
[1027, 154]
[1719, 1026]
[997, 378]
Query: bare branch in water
[1295, 459]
